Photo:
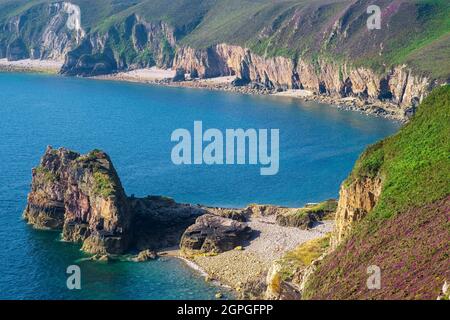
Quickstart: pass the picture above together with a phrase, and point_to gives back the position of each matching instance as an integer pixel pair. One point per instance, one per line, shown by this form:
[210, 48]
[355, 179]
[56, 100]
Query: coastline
[156, 76]
[163, 77]
[243, 269]
[31, 65]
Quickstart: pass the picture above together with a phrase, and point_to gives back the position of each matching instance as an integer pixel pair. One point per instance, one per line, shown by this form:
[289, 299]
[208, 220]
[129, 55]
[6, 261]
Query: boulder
[145, 255]
[214, 234]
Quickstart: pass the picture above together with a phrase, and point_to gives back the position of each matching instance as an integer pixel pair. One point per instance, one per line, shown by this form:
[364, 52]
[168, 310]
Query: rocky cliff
[399, 85]
[44, 31]
[134, 43]
[83, 195]
[393, 214]
[355, 202]
[322, 46]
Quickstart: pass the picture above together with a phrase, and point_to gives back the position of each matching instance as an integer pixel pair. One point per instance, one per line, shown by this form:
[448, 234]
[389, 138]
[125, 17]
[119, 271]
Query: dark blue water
[133, 123]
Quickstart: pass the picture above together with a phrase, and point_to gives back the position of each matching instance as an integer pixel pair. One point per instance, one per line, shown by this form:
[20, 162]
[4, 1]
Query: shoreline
[31, 65]
[162, 77]
[175, 253]
[240, 269]
[379, 109]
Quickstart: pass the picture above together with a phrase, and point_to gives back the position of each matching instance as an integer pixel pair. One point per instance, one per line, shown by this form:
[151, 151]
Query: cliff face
[225, 60]
[398, 86]
[312, 45]
[41, 32]
[393, 213]
[83, 195]
[135, 43]
[355, 202]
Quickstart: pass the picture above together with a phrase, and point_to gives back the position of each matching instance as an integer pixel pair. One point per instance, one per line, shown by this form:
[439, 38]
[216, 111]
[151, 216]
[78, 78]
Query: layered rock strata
[214, 234]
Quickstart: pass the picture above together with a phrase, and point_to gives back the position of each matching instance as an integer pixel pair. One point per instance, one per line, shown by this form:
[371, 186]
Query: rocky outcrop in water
[82, 195]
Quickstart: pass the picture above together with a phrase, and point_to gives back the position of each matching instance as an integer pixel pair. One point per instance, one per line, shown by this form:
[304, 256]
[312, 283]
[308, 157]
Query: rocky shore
[168, 77]
[143, 49]
[31, 65]
[82, 196]
[245, 268]
[156, 76]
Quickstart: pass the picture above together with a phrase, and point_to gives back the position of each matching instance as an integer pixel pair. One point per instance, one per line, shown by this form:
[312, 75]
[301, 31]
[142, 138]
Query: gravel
[235, 268]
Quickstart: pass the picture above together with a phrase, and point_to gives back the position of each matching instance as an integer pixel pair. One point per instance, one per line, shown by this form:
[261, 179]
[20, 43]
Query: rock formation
[355, 202]
[159, 222]
[83, 195]
[214, 234]
[399, 85]
[48, 38]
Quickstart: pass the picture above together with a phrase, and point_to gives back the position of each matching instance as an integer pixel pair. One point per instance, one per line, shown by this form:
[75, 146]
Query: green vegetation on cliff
[414, 32]
[104, 185]
[415, 162]
[46, 174]
[302, 256]
[407, 232]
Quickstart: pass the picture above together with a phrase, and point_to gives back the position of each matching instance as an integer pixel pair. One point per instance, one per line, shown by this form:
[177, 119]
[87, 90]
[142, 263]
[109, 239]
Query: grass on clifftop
[415, 163]
[46, 174]
[414, 32]
[302, 256]
[104, 186]
[407, 232]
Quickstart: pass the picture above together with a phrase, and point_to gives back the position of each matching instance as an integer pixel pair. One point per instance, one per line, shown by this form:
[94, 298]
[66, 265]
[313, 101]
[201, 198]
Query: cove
[133, 124]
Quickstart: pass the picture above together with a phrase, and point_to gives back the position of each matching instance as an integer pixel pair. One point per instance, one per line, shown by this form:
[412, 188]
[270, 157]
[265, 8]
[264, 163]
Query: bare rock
[159, 222]
[81, 194]
[145, 255]
[214, 234]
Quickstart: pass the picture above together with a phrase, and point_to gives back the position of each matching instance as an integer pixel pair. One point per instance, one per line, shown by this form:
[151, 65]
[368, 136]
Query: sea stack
[81, 194]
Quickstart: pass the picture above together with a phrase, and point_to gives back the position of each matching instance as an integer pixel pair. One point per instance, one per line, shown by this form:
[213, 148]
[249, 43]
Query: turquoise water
[133, 123]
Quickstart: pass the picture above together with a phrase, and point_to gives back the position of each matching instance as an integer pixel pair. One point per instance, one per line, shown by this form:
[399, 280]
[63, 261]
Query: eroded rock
[145, 255]
[160, 221]
[214, 234]
[83, 196]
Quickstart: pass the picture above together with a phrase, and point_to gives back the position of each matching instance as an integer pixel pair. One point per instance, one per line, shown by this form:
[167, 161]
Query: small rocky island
[82, 195]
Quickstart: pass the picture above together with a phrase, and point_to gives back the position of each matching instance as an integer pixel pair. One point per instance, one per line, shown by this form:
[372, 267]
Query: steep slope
[394, 213]
[83, 196]
[322, 45]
